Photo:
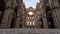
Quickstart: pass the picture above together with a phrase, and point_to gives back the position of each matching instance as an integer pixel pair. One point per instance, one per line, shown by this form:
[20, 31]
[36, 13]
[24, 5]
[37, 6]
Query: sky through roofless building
[30, 3]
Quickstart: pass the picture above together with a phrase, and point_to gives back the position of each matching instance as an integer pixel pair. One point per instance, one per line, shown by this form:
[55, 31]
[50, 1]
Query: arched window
[30, 23]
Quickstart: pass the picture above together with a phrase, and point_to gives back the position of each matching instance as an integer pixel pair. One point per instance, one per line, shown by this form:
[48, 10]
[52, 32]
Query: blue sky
[31, 3]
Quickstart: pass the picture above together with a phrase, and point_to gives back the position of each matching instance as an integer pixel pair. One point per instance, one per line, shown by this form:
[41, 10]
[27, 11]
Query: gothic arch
[49, 17]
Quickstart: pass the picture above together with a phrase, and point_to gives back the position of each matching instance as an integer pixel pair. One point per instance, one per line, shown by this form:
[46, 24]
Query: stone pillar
[6, 22]
[23, 14]
[55, 19]
[43, 5]
[45, 24]
[19, 2]
[18, 19]
[39, 14]
[54, 5]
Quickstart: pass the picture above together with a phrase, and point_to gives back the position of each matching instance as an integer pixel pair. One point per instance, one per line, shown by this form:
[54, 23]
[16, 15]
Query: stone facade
[31, 18]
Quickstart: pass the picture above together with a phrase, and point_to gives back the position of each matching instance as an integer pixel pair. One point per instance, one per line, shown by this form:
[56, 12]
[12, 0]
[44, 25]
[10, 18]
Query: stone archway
[49, 17]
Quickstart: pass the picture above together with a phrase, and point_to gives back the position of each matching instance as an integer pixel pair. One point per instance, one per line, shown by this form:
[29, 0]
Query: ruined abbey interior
[14, 14]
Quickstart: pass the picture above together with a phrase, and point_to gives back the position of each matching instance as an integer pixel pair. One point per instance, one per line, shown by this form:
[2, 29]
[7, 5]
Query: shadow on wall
[2, 9]
[2, 5]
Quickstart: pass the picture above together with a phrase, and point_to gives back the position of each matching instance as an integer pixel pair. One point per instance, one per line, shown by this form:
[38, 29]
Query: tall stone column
[6, 22]
[19, 2]
[17, 20]
[43, 5]
[54, 5]
[55, 19]
[23, 14]
[39, 14]
[45, 24]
